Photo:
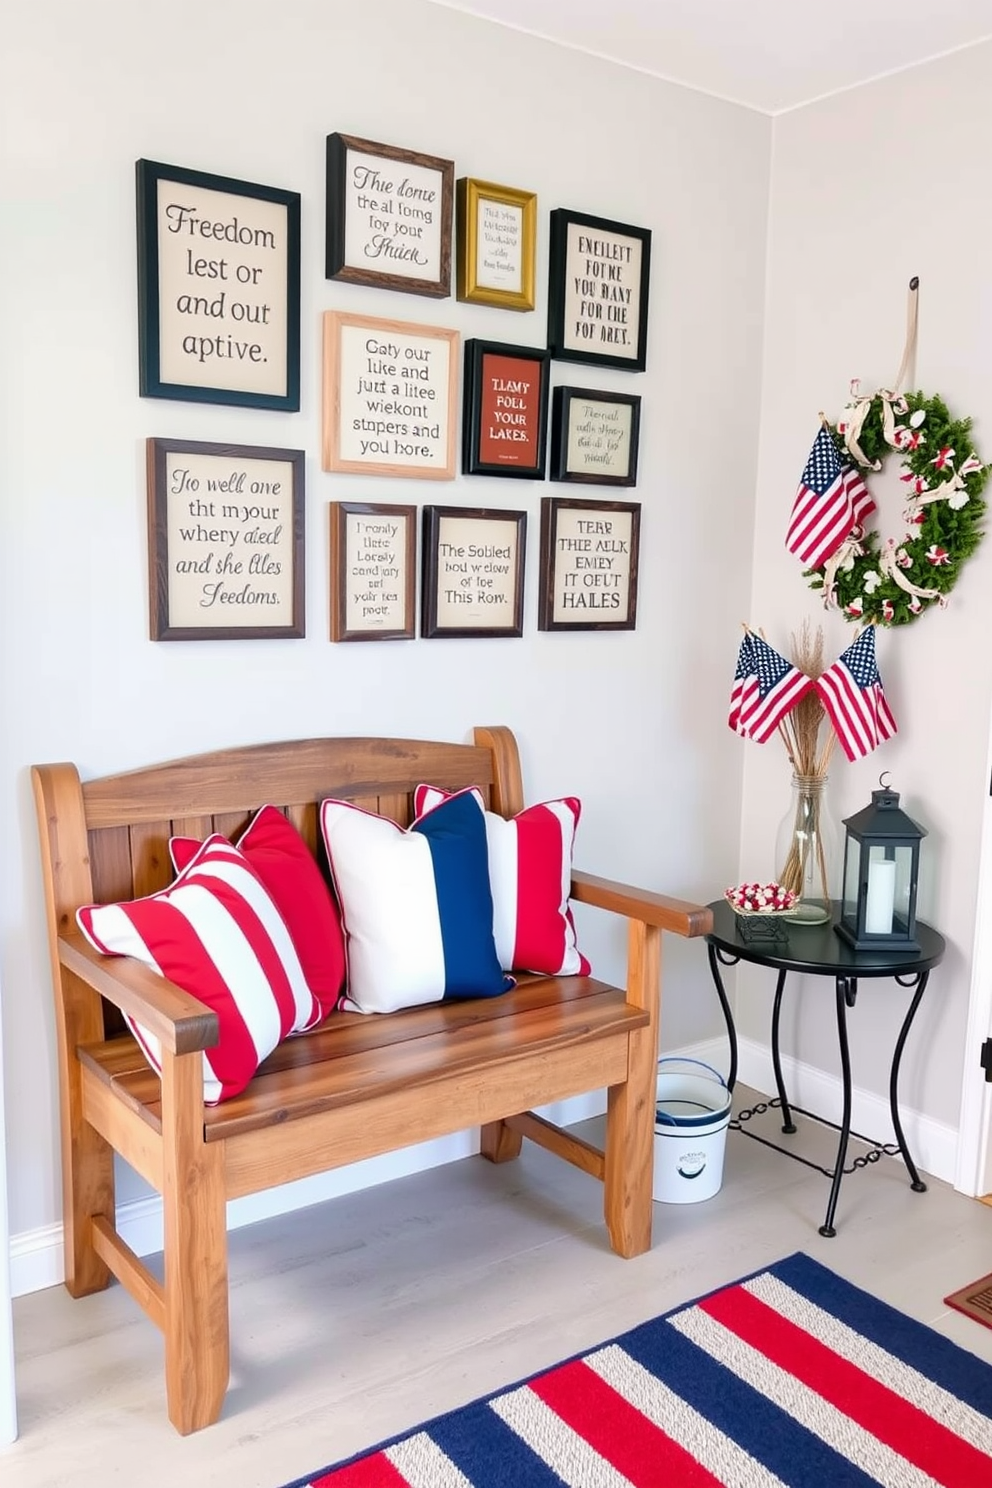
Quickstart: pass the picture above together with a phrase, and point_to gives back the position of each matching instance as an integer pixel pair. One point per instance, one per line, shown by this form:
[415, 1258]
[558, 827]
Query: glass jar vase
[807, 846]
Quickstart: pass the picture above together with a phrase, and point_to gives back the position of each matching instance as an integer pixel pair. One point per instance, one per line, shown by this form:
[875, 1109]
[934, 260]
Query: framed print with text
[497, 245]
[473, 572]
[390, 397]
[373, 578]
[598, 291]
[594, 436]
[218, 289]
[505, 410]
[589, 552]
[225, 541]
[388, 217]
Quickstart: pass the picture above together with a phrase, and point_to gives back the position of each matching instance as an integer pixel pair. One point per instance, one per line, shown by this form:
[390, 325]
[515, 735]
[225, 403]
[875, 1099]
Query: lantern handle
[882, 781]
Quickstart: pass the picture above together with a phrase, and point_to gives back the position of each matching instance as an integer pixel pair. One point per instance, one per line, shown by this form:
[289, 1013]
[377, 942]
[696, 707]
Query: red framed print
[505, 410]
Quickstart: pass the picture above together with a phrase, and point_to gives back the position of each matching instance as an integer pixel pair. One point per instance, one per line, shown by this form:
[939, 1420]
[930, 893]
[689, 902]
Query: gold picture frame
[497, 245]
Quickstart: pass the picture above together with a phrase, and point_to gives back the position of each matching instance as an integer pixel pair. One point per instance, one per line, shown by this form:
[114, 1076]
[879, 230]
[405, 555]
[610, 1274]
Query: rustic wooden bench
[360, 1085]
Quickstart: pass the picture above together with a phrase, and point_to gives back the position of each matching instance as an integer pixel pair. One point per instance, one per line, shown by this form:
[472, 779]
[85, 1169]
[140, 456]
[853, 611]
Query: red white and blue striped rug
[790, 1377]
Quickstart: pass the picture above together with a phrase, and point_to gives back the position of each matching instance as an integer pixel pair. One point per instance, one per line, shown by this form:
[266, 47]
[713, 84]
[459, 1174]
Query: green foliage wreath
[890, 582]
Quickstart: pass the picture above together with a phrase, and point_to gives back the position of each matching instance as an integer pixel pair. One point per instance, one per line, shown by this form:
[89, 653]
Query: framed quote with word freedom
[218, 289]
[225, 541]
[598, 291]
[589, 551]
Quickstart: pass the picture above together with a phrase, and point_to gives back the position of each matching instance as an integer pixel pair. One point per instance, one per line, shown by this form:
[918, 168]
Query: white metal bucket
[690, 1132]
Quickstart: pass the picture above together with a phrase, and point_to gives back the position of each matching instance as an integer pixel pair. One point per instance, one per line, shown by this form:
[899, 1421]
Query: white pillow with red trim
[217, 934]
[530, 874]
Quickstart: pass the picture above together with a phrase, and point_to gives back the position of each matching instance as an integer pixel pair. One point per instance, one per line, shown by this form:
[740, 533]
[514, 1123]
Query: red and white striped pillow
[530, 874]
[216, 933]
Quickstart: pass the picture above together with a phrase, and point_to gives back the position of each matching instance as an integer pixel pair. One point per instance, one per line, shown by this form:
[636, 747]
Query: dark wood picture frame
[217, 530]
[466, 554]
[585, 571]
[377, 215]
[600, 275]
[368, 607]
[505, 410]
[216, 301]
[592, 441]
[496, 260]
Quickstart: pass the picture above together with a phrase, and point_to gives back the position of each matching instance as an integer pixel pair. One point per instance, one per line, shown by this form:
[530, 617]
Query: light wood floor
[360, 1318]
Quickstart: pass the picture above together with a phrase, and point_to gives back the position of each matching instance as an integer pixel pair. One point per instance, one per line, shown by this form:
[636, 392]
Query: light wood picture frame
[495, 262]
[218, 289]
[589, 559]
[473, 572]
[390, 397]
[226, 541]
[388, 217]
[373, 571]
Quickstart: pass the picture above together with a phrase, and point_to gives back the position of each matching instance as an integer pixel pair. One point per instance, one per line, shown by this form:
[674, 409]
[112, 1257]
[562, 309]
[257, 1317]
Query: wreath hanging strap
[891, 580]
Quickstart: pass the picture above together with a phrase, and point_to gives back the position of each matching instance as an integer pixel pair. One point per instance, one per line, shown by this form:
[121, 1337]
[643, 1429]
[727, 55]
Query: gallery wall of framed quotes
[589, 557]
[473, 572]
[388, 217]
[497, 245]
[598, 291]
[390, 397]
[373, 577]
[226, 529]
[504, 410]
[218, 289]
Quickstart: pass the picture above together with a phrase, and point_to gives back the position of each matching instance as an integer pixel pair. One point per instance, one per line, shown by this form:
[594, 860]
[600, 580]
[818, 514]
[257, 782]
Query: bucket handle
[684, 1059]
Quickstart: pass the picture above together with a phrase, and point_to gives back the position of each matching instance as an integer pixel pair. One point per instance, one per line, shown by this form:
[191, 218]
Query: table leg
[916, 1182]
[847, 991]
[715, 961]
[788, 1125]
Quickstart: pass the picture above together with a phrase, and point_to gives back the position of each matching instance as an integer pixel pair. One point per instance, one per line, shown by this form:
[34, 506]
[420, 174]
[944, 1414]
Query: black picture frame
[210, 299]
[595, 433]
[590, 255]
[468, 555]
[505, 410]
[226, 541]
[589, 562]
[377, 214]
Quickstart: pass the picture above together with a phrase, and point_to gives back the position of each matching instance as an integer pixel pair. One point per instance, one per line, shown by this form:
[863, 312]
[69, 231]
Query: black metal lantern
[881, 867]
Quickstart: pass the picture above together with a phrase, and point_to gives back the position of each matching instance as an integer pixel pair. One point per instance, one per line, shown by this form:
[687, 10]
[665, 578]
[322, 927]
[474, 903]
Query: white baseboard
[933, 1145]
[36, 1255]
[36, 1259]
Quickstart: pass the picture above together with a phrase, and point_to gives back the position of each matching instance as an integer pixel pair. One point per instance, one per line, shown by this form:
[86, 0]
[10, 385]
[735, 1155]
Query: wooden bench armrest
[180, 1023]
[678, 915]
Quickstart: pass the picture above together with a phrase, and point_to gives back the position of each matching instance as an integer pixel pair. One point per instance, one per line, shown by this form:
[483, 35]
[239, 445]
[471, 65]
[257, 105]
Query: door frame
[973, 1171]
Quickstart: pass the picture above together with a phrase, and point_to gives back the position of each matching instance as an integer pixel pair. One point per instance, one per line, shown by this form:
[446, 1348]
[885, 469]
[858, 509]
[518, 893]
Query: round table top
[818, 948]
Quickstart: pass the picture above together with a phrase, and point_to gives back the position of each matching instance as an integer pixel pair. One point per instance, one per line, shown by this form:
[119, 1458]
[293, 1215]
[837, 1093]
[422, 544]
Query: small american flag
[851, 692]
[831, 499]
[766, 688]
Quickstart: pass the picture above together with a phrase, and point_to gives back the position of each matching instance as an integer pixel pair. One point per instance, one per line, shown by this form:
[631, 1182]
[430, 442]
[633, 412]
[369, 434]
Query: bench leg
[500, 1144]
[197, 1334]
[630, 1108]
[87, 1160]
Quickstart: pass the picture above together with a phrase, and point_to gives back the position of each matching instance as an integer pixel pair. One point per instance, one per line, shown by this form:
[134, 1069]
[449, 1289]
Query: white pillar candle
[880, 904]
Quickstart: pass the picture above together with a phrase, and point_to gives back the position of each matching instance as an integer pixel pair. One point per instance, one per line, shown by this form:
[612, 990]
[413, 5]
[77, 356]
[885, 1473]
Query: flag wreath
[890, 581]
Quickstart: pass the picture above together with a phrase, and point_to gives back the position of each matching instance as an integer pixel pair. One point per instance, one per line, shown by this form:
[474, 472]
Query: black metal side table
[816, 950]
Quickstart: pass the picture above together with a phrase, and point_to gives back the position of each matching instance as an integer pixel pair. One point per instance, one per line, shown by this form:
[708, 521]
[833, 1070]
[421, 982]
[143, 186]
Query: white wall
[634, 723]
[868, 189]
